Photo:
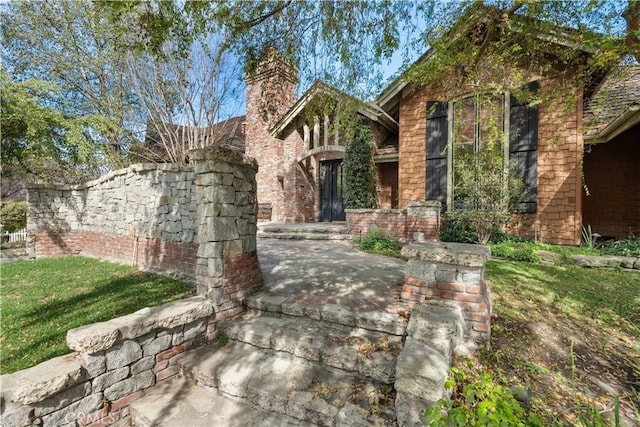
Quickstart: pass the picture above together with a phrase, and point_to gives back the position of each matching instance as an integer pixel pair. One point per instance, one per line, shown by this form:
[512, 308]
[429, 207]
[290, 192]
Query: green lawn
[42, 299]
[570, 334]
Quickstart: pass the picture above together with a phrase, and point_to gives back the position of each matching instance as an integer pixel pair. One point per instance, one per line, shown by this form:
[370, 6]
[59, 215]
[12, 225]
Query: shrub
[13, 215]
[627, 247]
[378, 242]
[455, 228]
[501, 236]
[478, 400]
[515, 252]
[359, 171]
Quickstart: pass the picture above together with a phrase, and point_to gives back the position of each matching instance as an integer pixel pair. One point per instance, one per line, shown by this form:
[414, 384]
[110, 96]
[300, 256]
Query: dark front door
[331, 208]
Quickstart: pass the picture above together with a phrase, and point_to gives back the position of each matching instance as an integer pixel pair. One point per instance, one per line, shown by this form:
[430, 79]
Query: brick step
[179, 402]
[311, 228]
[302, 236]
[307, 231]
[283, 383]
[371, 354]
[339, 314]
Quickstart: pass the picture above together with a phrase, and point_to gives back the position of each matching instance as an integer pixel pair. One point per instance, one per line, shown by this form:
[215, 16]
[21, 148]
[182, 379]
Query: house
[580, 161]
[166, 142]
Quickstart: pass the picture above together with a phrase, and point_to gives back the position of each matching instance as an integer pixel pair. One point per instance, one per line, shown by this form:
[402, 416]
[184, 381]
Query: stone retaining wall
[114, 362]
[199, 220]
[451, 274]
[419, 222]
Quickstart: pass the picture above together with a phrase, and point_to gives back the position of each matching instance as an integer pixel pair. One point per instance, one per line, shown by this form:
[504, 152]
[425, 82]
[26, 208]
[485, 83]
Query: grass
[571, 334]
[528, 251]
[43, 299]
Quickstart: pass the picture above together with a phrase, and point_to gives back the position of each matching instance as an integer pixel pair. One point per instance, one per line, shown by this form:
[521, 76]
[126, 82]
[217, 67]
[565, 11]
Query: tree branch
[260, 19]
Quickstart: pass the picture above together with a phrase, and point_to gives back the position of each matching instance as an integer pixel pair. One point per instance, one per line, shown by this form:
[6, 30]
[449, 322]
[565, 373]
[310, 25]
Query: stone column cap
[464, 254]
[103, 335]
[424, 204]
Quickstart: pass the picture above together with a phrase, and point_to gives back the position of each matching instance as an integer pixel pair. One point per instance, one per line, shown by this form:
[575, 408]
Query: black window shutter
[437, 136]
[523, 147]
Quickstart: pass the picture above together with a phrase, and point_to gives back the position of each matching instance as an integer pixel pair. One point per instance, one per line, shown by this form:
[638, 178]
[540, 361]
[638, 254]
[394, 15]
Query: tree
[486, 192]
[185, 96]
[344, 43]
[359, 170]
[40, 143]
[71, 45]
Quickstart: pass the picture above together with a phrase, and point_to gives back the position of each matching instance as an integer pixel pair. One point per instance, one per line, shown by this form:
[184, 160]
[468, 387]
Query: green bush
[359, 171]
[515, 252]
[478, 400]
[378, 242]
[13, 215]
[501, 236]
[627, 247]
[454, 228]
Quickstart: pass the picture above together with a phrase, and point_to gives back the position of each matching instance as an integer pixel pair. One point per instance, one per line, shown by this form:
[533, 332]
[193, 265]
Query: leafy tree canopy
[40, 143]
[346, 43]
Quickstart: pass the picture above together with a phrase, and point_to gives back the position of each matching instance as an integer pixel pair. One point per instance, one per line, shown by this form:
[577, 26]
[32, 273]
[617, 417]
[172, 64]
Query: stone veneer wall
[114, 362]
[451, 274]
[419, 222]
[143, 215]
[208, 211]
[199, 220]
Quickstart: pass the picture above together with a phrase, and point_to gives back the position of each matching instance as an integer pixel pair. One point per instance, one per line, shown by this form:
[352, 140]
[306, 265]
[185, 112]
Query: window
[458, 130]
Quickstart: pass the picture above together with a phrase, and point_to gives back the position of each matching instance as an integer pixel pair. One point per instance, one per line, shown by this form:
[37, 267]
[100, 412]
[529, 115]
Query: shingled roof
[229, 133]
[615, 105]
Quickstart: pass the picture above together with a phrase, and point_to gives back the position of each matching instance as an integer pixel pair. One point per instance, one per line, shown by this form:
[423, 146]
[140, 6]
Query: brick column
[227, 263]
[451, 274]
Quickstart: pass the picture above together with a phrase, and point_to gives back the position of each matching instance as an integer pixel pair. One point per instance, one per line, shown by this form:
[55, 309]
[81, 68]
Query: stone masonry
[451, 274]
[198, 220]
[209, 209]
[114, 362]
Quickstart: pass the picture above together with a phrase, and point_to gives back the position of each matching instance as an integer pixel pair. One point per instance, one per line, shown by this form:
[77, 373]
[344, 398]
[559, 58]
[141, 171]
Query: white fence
[16, 236]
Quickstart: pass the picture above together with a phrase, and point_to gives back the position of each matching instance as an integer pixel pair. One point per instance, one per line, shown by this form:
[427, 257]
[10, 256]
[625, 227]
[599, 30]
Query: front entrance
[331, 207]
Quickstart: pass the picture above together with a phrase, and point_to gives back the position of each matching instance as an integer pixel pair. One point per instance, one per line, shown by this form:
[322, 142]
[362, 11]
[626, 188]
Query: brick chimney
[271, 92]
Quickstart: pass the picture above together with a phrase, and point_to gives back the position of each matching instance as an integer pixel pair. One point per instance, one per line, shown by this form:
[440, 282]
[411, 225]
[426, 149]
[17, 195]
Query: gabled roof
[561, 36]
[615, 105]
[320, 88]
[228, 133]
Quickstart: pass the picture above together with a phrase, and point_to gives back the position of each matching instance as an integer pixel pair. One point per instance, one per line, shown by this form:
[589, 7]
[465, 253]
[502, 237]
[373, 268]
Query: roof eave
[625, 121]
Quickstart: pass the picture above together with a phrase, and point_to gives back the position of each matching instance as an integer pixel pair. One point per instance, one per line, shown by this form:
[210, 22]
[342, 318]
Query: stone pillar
[451, 274]
[227, 264]
[423, 221]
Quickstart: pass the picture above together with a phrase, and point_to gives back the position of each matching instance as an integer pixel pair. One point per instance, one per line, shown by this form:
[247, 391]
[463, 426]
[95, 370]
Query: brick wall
[419, 222]
[270, 92]
[612, 176]
[451, 274]
[143, 252]
[559, 215]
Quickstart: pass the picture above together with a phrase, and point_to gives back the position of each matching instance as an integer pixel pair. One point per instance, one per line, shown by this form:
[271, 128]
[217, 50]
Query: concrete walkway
[331, 272]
